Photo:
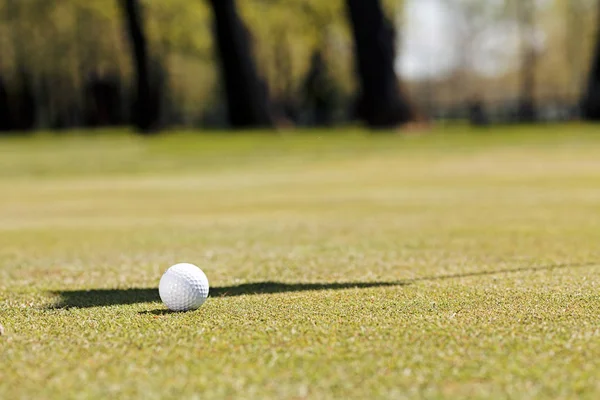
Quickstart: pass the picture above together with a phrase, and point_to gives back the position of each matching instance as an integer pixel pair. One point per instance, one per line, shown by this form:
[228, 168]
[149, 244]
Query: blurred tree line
[522, 60]
[266, 63]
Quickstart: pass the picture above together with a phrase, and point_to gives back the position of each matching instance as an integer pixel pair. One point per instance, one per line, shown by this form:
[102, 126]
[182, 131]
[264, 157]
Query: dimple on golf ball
[183, 287]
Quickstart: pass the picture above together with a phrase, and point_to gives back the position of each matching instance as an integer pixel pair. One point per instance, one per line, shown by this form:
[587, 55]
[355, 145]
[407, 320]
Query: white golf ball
[183, 287]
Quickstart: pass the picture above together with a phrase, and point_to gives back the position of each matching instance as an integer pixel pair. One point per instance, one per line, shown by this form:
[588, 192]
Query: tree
[381, 103]
[319, 91]
[575, 47]
[591, 97]
[526, 20]
[146, 110]
[22, 111]
[247, 97]
[5, 117]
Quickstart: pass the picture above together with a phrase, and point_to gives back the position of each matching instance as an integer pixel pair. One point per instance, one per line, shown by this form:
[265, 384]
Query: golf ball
[183, 287]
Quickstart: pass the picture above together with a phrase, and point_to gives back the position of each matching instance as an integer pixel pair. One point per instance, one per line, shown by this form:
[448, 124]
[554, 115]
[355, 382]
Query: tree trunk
[248, 102]
[574, 46]
[21, 91]
[26, 102]
[6, 123]
[591, 98]
[381, 103]
[526, 17]
[146, 107]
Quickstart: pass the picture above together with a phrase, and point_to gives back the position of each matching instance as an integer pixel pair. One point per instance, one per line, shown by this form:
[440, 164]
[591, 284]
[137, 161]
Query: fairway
[453, 264]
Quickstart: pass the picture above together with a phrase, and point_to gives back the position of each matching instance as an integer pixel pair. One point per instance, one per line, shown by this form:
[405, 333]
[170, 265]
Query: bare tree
[248, 102]
[381, 103]
[591, 97]
[146, 112]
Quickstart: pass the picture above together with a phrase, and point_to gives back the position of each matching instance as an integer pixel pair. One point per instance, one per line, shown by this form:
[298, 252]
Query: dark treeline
[88, 89]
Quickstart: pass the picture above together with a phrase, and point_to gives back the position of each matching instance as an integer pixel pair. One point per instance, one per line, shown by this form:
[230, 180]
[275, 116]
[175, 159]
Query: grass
[460, 264]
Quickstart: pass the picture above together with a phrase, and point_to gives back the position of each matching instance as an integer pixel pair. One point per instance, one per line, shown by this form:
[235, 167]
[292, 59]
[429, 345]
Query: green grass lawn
[457, 264]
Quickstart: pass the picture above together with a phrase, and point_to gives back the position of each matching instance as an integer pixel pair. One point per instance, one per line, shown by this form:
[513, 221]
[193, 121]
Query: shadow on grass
[158, 312]
[503, 271]
[109, 297]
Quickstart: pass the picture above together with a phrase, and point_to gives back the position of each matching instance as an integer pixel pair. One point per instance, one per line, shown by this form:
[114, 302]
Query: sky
[425, 47]
[429, 36]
